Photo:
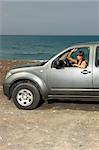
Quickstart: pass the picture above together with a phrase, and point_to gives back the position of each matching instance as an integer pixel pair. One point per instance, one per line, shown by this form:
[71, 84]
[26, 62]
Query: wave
[35, 53]
[23, 52]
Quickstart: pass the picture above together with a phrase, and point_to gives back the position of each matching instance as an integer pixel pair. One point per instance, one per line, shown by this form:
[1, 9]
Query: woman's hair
[81, 53]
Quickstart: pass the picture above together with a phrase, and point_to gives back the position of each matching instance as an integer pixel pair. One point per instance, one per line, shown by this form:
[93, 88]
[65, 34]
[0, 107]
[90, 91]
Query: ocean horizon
[38, 47]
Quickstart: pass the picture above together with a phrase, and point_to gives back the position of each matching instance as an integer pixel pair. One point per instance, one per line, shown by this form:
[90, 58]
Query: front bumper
[6, 90]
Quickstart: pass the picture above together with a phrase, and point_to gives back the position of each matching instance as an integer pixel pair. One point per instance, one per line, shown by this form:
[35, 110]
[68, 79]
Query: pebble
[28, 128]
[9, 144]
[54, 111]
[1, 66]
[1, 138]
[36, 126]
[11, 112]
[46, 131]
[73, 139]
[4, 119]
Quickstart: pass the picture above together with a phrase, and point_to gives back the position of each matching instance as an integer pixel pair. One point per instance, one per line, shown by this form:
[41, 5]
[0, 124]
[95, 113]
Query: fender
[32, 77]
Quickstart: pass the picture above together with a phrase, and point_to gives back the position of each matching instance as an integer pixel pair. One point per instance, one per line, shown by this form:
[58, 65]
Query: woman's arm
[69, 56]
[83, 65]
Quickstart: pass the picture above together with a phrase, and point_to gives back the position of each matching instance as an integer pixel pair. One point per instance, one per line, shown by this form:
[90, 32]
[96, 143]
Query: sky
[56, 17]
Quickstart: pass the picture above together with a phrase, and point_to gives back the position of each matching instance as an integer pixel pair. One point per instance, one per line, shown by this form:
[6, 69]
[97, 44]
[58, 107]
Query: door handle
[85, 72]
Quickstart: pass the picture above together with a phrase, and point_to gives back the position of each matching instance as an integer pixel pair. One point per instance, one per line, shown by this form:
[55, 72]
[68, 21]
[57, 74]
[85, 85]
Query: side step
[71, 96]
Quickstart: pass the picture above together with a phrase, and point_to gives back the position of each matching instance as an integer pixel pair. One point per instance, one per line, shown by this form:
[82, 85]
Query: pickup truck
[54, 79]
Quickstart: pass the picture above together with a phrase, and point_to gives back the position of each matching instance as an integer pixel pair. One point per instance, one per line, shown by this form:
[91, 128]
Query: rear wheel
[26, 96]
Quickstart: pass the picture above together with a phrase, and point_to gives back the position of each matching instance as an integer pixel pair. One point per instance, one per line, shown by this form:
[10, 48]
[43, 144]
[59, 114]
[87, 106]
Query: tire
[26, 96]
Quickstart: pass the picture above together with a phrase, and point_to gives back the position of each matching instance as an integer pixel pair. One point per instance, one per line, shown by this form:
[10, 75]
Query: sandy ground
[55, 125]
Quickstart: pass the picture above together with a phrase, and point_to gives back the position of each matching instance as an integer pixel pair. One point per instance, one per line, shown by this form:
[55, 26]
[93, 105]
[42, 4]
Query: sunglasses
[80, 55]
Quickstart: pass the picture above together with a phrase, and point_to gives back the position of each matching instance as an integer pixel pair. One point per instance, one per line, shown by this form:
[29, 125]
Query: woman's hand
[68, 56]
[74, 50]
[82, 66]
[75, 65]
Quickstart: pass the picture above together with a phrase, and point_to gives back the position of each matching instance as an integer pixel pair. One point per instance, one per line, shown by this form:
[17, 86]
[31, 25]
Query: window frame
[96, 64]
[88, 47]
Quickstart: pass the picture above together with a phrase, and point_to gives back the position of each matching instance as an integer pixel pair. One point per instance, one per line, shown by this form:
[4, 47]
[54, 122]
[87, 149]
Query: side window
[97, 57]
[63, 61]
[86, 53]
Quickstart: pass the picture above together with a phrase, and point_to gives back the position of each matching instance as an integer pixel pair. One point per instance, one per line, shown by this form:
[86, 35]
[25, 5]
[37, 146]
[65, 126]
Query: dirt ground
[53, 126]
[56, 125]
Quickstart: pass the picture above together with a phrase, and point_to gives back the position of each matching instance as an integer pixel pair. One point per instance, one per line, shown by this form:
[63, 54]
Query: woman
[80, 62]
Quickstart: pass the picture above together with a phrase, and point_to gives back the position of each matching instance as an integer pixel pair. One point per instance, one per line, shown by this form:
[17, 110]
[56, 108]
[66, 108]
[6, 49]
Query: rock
[1, 138]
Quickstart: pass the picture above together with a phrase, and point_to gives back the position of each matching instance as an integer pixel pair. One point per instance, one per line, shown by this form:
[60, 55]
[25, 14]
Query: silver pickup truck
[57, 78]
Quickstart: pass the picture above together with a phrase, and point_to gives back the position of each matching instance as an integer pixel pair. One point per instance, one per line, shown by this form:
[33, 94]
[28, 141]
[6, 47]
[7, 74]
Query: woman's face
[79, 57]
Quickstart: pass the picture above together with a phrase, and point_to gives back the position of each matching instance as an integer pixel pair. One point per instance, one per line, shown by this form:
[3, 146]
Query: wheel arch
[31, 78]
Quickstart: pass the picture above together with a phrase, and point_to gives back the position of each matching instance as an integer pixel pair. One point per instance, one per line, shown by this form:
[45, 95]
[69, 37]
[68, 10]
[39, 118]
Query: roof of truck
[88, 43]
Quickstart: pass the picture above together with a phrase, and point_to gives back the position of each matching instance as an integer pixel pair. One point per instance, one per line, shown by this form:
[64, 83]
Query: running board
[72, 96]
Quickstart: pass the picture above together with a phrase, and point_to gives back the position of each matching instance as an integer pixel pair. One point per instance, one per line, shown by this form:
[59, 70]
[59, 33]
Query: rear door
[96, 68]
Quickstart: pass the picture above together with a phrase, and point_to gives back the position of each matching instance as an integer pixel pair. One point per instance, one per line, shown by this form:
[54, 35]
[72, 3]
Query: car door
[70, 78]
[96, 68]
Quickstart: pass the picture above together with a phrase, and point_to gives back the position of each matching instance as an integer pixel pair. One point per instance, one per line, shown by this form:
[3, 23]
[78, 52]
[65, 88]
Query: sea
[30, 47]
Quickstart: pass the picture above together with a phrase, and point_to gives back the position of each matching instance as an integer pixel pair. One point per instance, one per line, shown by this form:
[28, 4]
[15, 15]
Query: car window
[86, 53]
[62, 57]
[97, 57]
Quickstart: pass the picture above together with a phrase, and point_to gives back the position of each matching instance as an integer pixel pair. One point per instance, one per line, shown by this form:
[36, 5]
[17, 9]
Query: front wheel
[26, 96]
